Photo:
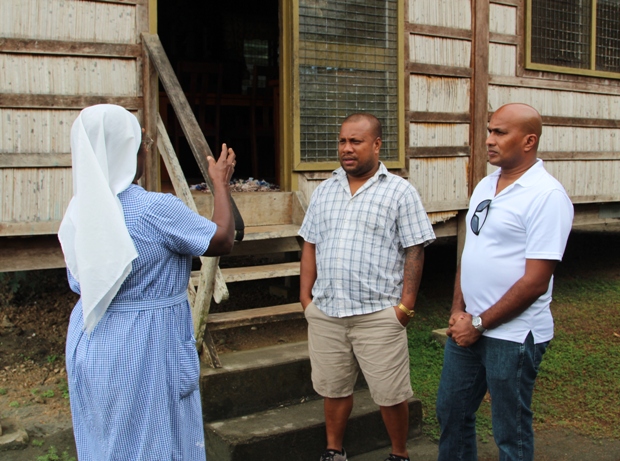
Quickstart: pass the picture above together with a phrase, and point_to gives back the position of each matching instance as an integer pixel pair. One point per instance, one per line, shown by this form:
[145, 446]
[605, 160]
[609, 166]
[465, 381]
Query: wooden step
[266, 271]
[270, 232]
[246, 317]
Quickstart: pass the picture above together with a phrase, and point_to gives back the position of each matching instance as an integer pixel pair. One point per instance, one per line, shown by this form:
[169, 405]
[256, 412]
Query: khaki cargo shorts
[375, 343]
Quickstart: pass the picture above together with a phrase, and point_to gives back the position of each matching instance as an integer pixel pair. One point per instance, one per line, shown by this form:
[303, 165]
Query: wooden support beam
[480, 92]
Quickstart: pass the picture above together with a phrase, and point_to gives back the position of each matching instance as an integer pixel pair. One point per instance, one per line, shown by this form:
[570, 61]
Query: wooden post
[479, 93]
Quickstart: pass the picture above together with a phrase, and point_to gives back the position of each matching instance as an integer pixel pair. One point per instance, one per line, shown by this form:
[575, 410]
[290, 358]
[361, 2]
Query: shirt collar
[530, 177]
[341, 176]
[340, 173]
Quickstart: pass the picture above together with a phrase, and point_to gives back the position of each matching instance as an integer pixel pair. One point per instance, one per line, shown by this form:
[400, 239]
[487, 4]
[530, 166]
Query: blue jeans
[508, 370]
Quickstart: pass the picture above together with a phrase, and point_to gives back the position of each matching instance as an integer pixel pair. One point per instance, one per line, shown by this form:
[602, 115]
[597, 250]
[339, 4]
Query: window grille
[608, 35]
[348, 63]
[574, 34]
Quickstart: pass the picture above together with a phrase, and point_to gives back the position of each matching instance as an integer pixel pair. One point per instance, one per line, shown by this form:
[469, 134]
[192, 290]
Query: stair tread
[265, 271]
[286, 419]
[262, 357]
[223, 320]
[269, 232]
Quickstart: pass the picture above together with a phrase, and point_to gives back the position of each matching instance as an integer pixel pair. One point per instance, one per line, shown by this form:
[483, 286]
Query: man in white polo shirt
[500, 324]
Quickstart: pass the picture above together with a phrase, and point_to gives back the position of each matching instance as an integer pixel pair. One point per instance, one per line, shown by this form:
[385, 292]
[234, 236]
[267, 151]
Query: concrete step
[255, 316]
[256, 380]
[265, 271]
[297, 432]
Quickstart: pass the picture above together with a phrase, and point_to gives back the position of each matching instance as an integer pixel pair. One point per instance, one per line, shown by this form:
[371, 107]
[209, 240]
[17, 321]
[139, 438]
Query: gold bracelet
[409, 312]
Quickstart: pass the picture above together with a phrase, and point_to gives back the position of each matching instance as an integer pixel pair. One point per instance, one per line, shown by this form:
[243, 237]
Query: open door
[226, 57]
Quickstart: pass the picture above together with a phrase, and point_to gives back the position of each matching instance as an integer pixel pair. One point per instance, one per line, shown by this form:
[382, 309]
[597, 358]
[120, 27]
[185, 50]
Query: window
[574, 36]
[348, 62]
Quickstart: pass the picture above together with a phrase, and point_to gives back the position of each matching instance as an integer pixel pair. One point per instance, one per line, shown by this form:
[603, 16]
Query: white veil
[95, 241]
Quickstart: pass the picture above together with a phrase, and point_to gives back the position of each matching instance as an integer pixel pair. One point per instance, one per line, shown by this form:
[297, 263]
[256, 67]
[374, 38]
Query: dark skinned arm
[220, 172]
[412, 274]
[307, 273]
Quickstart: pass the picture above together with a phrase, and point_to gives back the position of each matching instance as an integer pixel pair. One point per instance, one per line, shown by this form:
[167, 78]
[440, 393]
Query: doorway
[226, 57]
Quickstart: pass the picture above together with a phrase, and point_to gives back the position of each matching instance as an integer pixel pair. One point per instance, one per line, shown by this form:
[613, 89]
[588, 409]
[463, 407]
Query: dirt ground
[34, 311]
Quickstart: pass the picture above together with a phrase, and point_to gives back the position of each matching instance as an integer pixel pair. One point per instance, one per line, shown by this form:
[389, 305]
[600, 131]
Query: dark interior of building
[225, 55]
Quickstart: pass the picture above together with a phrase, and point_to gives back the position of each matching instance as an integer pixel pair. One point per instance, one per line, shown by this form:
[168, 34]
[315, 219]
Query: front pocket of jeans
[189, 367]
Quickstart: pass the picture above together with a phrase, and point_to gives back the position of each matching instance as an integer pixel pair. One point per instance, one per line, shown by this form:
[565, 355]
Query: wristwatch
[476, 322]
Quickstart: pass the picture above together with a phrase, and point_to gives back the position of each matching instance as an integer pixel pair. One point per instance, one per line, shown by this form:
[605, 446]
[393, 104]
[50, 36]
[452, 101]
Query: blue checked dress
[133, 382]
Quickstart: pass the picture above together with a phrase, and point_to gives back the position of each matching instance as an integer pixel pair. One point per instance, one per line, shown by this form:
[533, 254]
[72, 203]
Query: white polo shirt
[530, 219]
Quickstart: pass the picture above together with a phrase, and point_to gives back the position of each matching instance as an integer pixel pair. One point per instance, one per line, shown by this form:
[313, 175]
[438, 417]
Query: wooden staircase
[257, 404]
[272, 223]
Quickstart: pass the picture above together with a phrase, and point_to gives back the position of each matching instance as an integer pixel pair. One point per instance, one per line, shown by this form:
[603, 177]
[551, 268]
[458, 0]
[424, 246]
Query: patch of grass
[578, 385]
[426, 356]
[579, 381]
[47, 394]
[14, 404]
[3, 391]
[63, 387]
[37, 443]
[52, 455]
[51, 358]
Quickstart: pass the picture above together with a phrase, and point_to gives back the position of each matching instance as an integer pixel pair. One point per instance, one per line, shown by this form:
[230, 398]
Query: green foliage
[52, 455]
[48, 394]
[51, 358]
[3, 391]
[578, 385]
[14, 404]
[37, 443]
[63, 387]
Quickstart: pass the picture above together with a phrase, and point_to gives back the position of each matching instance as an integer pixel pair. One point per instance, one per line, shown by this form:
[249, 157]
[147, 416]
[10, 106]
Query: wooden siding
[444, 13]
[558, 103]
[35, 130]
[502, 59]
[57, 57]
[441, 182]
[503, 19]
[588, 181]
[577, 139]
[438, 134]
[439, 51]
[438, 94]
[67, 75]
[439, 82]
[72, 20]
[33, 199]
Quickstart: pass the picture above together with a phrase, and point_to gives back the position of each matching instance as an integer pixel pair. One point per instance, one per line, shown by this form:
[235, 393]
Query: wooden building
[274, 79]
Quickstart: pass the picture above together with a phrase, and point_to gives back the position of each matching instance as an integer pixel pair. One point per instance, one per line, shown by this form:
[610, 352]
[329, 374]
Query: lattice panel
[561, 32]
[348, 55]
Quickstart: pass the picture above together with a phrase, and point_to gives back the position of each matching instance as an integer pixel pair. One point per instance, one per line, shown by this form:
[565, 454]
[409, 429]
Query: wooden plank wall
[57, 57]
[580, 143]
[438, 82]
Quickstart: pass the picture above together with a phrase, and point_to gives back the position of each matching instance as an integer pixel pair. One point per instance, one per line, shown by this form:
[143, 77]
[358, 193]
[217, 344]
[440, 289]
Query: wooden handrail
[186, 117]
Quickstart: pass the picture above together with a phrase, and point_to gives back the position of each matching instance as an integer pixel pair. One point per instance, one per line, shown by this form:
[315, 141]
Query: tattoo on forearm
[414, 262]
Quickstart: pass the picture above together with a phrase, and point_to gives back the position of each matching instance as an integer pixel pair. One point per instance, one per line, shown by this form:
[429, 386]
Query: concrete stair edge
[298, 431]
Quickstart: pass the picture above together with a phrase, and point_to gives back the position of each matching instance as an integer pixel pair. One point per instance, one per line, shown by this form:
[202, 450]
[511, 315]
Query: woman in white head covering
[131, 357]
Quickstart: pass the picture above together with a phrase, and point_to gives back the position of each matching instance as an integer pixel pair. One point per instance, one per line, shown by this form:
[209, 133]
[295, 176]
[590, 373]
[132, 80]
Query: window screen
[348, 62]
[562, 35]
[561, 32]
[608, 35]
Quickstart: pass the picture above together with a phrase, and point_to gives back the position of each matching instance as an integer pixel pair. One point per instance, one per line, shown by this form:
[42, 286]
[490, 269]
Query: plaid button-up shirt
[361, 239]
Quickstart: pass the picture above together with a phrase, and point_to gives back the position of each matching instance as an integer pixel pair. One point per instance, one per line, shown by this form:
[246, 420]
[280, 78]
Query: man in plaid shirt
[364, 237]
